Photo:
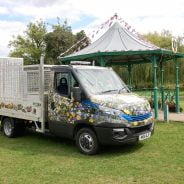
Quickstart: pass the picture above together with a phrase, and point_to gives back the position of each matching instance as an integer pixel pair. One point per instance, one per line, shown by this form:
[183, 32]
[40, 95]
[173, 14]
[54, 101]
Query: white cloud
[3, 10]
[101, 9]
[7, 30]
[143, 15]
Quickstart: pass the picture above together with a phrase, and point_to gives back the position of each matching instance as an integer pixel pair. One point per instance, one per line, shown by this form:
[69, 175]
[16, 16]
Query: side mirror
[76, 94]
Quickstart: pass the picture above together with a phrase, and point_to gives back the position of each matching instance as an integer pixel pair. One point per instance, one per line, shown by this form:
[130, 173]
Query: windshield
[101, 81]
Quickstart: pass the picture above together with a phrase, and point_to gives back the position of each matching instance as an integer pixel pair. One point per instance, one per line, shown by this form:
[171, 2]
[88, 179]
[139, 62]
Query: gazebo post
[102, 61]
[177, 85]
[154, 62]
[130, 76]
[162, 85]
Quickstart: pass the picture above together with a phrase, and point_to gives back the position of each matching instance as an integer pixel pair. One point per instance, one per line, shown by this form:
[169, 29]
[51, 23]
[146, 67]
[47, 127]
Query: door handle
[53, 106]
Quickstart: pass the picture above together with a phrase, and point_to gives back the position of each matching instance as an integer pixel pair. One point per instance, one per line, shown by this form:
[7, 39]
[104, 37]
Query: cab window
[74, 82]
[63, 84]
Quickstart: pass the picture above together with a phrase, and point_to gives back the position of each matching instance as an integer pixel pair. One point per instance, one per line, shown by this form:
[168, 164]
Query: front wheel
[87, 142]
[9, 127]
[13, 128]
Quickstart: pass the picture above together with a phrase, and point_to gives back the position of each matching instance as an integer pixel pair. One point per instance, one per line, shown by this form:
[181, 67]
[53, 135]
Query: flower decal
[66, 109]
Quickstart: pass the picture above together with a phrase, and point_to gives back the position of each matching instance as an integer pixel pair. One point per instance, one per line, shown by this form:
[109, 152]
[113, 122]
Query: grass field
[42, 159]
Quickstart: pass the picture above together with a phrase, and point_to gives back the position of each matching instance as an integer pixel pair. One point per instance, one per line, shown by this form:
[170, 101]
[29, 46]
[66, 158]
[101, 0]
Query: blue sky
[143, 15]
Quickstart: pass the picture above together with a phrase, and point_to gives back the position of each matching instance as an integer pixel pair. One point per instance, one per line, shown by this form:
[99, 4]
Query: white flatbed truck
[88, 104]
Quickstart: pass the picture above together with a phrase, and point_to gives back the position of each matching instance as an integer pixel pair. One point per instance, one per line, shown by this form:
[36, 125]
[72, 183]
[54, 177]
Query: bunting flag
[107, 24]
[110, 24]
[115, 16]
[174, 45]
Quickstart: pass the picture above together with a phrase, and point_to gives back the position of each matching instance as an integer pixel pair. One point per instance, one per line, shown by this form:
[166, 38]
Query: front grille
[131, 118]
[140, 129]
[141, 117]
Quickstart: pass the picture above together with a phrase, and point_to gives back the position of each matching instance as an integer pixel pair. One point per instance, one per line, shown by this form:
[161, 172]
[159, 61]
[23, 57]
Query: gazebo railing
[169, 97]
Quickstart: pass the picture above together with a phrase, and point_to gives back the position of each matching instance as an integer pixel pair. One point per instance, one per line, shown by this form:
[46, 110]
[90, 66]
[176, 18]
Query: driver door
[61, 104]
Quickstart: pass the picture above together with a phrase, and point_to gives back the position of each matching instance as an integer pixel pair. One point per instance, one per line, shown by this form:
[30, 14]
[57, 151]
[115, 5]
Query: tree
[162, 40]
[62, 39]
[36, 41]
[82, 39]
[58, 41]
[31, 44]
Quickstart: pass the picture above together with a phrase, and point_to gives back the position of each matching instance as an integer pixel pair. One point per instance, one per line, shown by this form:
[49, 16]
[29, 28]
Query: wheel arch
[18, 125]
[1, 119]
[80, 125]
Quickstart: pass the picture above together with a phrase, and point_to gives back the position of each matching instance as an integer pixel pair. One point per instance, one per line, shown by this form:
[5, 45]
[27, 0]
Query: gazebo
[119, 46]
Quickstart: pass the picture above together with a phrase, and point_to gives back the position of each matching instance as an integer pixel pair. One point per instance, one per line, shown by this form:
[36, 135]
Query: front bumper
[117, 135]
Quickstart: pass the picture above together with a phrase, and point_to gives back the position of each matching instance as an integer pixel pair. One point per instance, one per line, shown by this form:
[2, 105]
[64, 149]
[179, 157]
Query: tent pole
[154, 61]
[177, 85]
[130, 76]
[162, 85]
[102, 61]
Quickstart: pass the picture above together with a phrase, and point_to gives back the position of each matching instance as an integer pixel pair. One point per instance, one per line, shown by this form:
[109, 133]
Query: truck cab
[94, 106]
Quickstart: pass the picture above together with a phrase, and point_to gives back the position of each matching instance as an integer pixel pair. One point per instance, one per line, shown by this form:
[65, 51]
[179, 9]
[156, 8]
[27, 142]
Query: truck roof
[79, 67]
[87, 67]
[36, 67]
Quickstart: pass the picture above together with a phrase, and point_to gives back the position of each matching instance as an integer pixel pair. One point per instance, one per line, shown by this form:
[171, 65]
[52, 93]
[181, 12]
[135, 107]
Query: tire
[20, 127]
[87, 142]
[13, 128]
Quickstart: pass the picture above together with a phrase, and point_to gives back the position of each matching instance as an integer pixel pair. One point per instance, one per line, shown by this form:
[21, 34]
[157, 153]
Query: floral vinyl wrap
[65, 109]
[128, 103]
[13, 107]
[135, 110]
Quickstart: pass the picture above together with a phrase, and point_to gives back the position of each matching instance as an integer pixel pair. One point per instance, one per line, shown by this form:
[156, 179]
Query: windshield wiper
[119, 91]
[107, 91]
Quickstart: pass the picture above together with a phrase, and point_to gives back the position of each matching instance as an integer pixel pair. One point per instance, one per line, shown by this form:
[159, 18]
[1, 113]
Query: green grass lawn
[38, 159]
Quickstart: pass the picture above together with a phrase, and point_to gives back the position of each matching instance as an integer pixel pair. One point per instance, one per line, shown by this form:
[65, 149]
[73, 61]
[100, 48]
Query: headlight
[112, 115]
[152, 126]
[110, 111]
[148, 106]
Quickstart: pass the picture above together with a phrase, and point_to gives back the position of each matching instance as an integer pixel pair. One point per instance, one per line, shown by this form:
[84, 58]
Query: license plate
[144, 136]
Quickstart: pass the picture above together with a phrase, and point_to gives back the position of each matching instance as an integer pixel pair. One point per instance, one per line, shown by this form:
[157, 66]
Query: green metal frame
[154, 62]
[93, 56]
[130, 76]
[127, 58]
[162, 85]
[177, 86]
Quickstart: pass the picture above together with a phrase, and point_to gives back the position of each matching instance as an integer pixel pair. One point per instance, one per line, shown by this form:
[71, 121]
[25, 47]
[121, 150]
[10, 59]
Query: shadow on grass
[33, 143]
[121, 149]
